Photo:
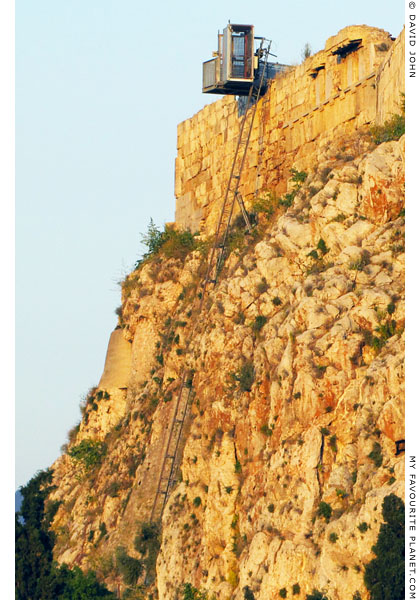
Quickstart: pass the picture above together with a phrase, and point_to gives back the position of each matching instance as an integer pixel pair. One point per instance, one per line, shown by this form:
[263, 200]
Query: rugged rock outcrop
[297, 397]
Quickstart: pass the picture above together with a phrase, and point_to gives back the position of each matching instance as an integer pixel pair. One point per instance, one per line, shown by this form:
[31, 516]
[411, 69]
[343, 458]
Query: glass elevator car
[233, 68]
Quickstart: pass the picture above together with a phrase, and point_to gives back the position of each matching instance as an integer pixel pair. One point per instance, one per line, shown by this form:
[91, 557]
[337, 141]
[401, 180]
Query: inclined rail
[171, 460]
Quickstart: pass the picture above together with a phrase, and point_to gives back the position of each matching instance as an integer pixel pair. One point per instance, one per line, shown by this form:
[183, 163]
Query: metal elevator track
[172, 457]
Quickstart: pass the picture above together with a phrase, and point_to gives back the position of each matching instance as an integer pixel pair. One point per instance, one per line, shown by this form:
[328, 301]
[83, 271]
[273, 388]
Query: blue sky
[100, 88]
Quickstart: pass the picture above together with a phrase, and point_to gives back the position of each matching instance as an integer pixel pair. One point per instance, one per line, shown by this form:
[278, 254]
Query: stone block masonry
[356, 80]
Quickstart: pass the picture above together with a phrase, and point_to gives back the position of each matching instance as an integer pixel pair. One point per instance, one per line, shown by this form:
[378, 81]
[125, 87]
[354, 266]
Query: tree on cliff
[37, 576]
[384, 575]
[307, 51]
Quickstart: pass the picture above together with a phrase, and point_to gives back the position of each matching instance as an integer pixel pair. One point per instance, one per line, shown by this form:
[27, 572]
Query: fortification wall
[329, 95]
[117, 363]
[390, 81]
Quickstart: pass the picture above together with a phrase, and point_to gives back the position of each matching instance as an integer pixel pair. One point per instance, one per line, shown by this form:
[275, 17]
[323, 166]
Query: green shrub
[322, 246]
[324, 510]
[262, 286]
[287, 199]
[178, 243]
[248, 593]
[386, 330]
[197, 501]
[89, 452]
[363, 527]
[271, 508]
[276, 301]
[172, 243]
[325, 431]
[283, 593]
[266, 205]
[296, 589]
[298, 177]
[153, 240]
[37, 575]
[361, 262]
[333, 443]
[192, 593]
[384, 575]
[316, 595]
[147, 543]
[333, 537]
[266, 430]
[239, 318]
[102, 530]
[246, 376]
[128, 567]
[259, 323]
[392, 129]
[376, 454]
[72, 434]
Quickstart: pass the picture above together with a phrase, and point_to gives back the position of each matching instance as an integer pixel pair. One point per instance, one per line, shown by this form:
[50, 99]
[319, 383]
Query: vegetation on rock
[392, 129]
[89, 452]
[384, 576]
[37, 575]
[170, 242]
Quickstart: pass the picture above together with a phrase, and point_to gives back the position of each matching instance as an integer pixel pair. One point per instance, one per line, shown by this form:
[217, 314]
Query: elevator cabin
[233, 68]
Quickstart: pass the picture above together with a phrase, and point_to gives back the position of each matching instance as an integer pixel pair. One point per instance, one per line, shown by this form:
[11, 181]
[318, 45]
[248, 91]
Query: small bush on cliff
[245, 377]
[361, 262]
[192, 593]
[363, 527]
[128, 567]
[324, 510]
[376, 454]
[248, 593]
[147, 542]
[392, 129]
[172, 243]
[307, 51]
[266, 205]
[316, 595]
[89, 452]
[266, 430]
[72, 434]
[258, 324]
[384, 575]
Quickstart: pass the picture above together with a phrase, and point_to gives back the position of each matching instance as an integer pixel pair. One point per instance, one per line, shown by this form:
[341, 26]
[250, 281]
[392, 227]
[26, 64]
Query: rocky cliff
[296, 403]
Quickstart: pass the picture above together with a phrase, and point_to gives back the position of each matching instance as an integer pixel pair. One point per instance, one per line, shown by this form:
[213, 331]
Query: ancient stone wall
[390, 81]
[356, 80]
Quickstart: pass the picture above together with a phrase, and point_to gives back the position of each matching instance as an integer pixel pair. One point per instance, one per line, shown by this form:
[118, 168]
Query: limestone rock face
[295, 359]
[314, 419]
